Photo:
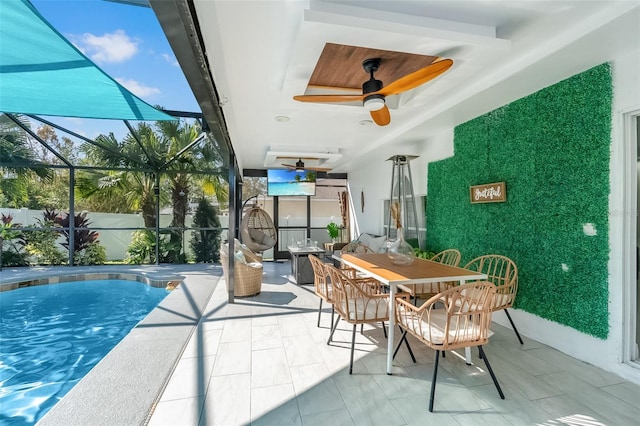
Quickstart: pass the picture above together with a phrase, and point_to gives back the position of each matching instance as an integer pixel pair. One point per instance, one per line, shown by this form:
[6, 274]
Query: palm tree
[172, 153]
[184, 157]
[130, 188]
[18, 163]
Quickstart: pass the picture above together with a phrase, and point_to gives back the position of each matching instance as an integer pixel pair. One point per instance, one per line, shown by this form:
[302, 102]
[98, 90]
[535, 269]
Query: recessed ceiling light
[281, 118]
[365, 122]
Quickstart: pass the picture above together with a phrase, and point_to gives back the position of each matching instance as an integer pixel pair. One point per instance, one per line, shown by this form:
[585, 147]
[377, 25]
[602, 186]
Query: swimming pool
[52, 335]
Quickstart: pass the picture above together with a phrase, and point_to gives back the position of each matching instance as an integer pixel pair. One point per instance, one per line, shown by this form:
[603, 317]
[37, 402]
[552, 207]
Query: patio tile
[184, 411]
[269, 367]
[266, 337]
[233, 358]
[228, 401]
[274, 405]
[301, 350]
[202, 343]
[334, 418]
[626, 391]
[236, 330]
[189, 379]
[316, 390]
[415, 411]
[374, 408]
[610, 406]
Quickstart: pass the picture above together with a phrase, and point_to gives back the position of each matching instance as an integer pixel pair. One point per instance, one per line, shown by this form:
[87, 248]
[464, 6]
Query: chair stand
[513, 326]
[483, 356]
[433, 381]
[353, 345]
[493, 376]
[333, 329]
[404, 338]
[320, 312]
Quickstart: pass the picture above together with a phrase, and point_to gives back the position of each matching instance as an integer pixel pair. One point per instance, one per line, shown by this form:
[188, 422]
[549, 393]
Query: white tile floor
[263, 360]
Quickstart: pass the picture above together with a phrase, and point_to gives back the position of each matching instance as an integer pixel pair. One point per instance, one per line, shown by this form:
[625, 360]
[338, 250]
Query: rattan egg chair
[258, 231]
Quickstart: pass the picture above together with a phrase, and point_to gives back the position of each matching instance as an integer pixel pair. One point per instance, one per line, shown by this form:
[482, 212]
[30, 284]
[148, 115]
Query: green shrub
[13, 243]
[93, 254]
[206, 242]
[142, 248]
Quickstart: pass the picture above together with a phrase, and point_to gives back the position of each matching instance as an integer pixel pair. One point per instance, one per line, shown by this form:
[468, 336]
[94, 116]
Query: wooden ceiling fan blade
[381, 117]
[328, 98]
[416, 78]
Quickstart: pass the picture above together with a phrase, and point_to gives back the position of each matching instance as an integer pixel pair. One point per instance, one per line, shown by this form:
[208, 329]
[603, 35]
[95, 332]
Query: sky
[126, 42]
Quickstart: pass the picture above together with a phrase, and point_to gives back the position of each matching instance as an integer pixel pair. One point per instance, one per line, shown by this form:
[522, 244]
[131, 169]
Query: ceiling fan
[299, 166]
[374, 93]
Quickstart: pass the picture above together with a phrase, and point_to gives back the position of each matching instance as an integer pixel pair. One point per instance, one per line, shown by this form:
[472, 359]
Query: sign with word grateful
[489, 193]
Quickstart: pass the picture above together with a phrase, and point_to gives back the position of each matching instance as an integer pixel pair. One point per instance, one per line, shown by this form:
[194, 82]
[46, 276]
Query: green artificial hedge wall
[552, 149]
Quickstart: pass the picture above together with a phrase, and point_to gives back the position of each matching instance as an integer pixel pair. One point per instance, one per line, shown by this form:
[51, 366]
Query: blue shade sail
[42, 73]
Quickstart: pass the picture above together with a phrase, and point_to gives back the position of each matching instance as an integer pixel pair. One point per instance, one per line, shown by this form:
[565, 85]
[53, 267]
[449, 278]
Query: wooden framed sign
[489, 193]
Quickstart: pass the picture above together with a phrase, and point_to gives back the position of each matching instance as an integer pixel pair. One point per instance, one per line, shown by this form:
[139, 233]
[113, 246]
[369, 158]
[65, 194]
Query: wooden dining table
[420, 271]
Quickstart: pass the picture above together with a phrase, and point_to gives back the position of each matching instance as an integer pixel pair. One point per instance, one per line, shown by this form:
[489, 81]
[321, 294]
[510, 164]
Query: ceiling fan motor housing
[371, 85]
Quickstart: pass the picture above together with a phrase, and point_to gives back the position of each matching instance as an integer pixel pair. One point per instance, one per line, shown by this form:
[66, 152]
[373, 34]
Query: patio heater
[402, 193]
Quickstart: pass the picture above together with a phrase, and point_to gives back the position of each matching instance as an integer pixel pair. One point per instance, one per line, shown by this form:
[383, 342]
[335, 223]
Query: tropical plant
[41, 244]
[84, 239]
[12, 242]
[93, 254]
[142, 248]
[18, 162]
[205, 242]
[175, 157]
[334, 230]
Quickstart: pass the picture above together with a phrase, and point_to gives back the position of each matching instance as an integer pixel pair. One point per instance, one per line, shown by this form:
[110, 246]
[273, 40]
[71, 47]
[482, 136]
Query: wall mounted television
[289, 182]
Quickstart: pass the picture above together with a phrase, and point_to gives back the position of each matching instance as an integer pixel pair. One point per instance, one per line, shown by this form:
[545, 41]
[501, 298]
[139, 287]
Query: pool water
[52, 335]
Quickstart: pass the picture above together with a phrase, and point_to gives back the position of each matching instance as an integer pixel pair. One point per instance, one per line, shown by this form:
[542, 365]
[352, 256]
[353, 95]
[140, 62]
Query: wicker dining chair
[503, 273]
[356, 247]
[322, 284]
[458, 317]
[356, 303]
[353, 248]
[425, 291]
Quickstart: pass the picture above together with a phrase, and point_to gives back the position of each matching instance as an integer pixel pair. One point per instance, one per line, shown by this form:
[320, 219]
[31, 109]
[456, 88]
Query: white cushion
[434, 331]
[361, 308]
[373, 242]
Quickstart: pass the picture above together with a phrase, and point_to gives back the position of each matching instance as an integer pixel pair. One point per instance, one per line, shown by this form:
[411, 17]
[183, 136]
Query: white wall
[374, 178]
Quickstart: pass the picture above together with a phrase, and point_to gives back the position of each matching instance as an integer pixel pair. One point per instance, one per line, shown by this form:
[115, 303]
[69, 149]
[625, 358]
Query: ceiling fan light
[299, 165]
[374, 102]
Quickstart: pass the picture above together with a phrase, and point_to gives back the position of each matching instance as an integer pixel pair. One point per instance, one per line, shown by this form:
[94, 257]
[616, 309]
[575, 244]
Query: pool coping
[160, 282]
[124, 387]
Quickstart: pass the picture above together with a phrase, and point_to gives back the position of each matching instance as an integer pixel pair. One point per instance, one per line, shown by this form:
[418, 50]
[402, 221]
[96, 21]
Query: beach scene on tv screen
[291, 182]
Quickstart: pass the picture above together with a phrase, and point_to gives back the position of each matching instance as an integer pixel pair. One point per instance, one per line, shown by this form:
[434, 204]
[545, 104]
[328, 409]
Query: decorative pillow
[377, 244]
[239, 257]
[374, 242]
[257, 235]
[268, 241]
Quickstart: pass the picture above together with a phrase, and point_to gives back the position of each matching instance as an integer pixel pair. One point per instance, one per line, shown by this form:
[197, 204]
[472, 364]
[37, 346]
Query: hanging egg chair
[258, 231]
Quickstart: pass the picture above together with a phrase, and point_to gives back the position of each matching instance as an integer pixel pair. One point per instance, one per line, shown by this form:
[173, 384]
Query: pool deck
[198, 360]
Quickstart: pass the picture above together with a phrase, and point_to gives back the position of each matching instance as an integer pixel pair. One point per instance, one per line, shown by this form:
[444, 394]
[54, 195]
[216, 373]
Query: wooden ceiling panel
[340, 66]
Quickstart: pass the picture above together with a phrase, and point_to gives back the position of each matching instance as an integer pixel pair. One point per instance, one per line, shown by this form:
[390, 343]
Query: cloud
[109, 48]
[170, 59]
[137, 88]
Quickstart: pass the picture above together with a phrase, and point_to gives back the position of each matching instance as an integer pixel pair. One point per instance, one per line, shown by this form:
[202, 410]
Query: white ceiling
[262, 53]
